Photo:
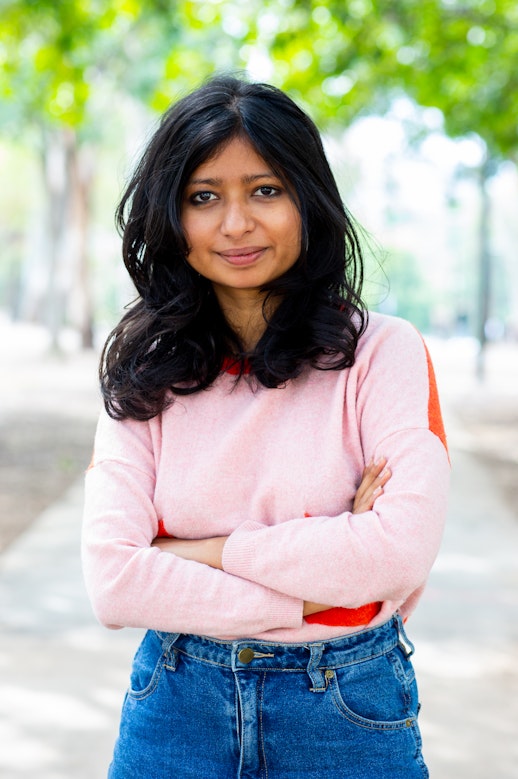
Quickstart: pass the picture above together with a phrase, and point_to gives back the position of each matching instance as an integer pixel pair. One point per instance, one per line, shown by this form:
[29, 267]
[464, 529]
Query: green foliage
[340, 59]
[460, 56]
[408, 295]
[210, 39]
[45, 50]
[54, 54]
[68, 63]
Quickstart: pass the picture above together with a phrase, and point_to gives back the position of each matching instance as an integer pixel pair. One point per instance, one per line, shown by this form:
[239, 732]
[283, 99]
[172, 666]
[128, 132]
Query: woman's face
[242, 227]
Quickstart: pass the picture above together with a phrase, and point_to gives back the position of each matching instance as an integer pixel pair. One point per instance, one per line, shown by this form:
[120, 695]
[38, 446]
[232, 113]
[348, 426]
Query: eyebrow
[245, 179]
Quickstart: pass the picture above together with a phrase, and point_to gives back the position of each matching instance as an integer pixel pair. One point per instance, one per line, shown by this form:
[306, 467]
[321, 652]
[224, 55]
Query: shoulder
[124, 440]
[392, 351]
[390, 337]
[382, 326]
[392, 361]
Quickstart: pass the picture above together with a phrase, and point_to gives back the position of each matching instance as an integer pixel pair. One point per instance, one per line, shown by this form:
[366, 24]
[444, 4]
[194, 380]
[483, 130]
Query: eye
[267, 191]
[202, 197]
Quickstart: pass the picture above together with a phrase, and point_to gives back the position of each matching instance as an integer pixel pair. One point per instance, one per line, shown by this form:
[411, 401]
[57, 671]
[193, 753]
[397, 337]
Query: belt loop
[403, 641]
[318, 681]
[170, 653]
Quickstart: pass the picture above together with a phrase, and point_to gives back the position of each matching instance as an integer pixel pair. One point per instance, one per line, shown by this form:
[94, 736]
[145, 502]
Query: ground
[493, 430]
[49, 406]
[40, 456]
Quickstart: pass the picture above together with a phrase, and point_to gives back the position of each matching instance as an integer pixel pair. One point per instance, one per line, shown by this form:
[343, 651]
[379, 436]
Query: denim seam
[261, 732]
[404, 680]
[383, 651]
[363, 722]
[418, 750]
[303, 669]
[203, 659]
[237, 710]
[141, 695]
[241, 730]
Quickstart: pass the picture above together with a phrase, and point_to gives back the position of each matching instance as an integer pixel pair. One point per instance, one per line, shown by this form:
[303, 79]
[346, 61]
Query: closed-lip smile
[243, 255]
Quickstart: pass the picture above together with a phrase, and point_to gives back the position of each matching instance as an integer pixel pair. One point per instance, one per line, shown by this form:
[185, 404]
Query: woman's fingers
[375, 476]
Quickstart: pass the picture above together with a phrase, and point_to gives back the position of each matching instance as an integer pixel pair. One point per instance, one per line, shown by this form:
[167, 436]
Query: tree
[340, 59]
[56, 55]
[459, 56]
[45, 49]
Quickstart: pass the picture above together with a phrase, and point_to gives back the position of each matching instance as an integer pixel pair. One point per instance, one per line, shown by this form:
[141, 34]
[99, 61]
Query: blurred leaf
[460, 56]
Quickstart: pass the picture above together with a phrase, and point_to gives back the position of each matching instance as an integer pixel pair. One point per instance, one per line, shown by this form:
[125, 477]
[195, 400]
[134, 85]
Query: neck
[244, 313]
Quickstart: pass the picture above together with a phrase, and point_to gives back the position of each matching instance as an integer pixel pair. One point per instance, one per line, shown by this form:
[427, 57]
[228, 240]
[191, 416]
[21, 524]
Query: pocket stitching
[364, 722]
[139, 695]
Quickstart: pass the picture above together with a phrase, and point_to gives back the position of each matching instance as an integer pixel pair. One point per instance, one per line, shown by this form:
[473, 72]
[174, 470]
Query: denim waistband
[249, 654]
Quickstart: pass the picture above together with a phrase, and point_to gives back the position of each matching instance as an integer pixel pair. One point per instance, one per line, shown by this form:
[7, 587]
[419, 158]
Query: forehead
[237, 157]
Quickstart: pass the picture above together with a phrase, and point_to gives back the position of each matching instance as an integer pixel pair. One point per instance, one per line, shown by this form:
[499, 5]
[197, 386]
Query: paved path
[62, 677]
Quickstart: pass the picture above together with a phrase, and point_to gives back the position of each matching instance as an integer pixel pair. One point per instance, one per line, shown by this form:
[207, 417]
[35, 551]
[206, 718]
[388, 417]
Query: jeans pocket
[379, 693]
[147, 669]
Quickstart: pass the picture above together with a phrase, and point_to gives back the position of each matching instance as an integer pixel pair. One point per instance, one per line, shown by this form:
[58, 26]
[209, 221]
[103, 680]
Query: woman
[268, 487]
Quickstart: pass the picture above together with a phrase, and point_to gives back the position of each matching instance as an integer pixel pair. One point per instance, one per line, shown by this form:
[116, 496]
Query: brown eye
[268, 192]
[202, 197]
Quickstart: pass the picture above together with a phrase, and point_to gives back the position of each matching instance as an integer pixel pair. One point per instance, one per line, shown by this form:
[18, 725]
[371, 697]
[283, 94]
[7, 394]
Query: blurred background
[418, 104]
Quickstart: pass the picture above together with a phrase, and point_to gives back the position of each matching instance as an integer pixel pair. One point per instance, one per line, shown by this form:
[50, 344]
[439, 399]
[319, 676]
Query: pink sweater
[276, 470]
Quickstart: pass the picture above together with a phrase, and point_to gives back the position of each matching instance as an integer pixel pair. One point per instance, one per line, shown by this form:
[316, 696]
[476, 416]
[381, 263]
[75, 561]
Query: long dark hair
[174, 338]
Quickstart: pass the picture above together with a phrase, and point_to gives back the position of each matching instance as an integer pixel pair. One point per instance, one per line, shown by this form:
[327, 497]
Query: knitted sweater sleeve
[384, 554]
[132, 584]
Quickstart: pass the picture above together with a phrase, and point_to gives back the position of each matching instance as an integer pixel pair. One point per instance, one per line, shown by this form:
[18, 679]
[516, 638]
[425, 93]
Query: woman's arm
[130, 582]
[209, 551]
[384, 554]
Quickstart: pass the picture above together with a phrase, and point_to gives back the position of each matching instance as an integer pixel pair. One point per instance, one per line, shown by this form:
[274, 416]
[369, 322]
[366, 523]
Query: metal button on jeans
[246, 655]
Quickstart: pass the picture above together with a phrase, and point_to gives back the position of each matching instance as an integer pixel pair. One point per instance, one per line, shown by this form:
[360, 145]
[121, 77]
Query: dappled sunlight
[460, 563]
[43, 708]
[468, 717]
[457, 659]
[22, 752]
[41, 730]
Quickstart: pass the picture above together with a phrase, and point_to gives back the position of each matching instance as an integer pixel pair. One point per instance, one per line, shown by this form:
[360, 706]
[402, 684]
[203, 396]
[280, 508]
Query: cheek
[292, 230]
[186, 228]
[193, 230]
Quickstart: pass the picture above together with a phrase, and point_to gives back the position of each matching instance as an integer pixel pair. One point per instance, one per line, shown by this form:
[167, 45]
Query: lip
[245, 255]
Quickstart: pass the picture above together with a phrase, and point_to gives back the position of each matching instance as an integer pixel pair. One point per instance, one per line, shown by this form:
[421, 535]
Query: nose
[237, 219]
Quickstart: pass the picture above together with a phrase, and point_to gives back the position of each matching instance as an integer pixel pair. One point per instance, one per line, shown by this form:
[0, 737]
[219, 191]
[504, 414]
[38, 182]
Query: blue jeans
[204, 709]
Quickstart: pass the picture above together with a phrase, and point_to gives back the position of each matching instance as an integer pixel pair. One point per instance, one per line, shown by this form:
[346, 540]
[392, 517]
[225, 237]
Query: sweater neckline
[232, 365]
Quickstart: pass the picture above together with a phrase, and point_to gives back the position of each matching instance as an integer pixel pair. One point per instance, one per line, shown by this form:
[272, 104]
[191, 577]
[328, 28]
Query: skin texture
[243, 230]
[209, 551]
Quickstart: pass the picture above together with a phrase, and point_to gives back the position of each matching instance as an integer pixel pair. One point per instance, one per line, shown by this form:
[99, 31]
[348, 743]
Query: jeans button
[246, 655]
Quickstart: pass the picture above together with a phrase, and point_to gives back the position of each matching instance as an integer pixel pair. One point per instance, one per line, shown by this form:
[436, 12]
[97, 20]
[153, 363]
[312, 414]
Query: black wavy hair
[174, 338]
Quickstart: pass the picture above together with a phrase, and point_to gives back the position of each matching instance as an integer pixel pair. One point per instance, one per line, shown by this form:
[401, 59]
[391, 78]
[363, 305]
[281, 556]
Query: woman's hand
[375, 476]
[208, 551]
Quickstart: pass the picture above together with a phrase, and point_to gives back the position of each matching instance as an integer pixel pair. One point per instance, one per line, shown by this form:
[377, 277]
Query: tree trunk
[81, 178]
[56, 178]
[68, 176]
[484, 268]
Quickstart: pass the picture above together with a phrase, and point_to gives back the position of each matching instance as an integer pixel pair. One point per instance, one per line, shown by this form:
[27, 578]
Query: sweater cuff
[239, 551]
[284, 610]
[238, 559]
